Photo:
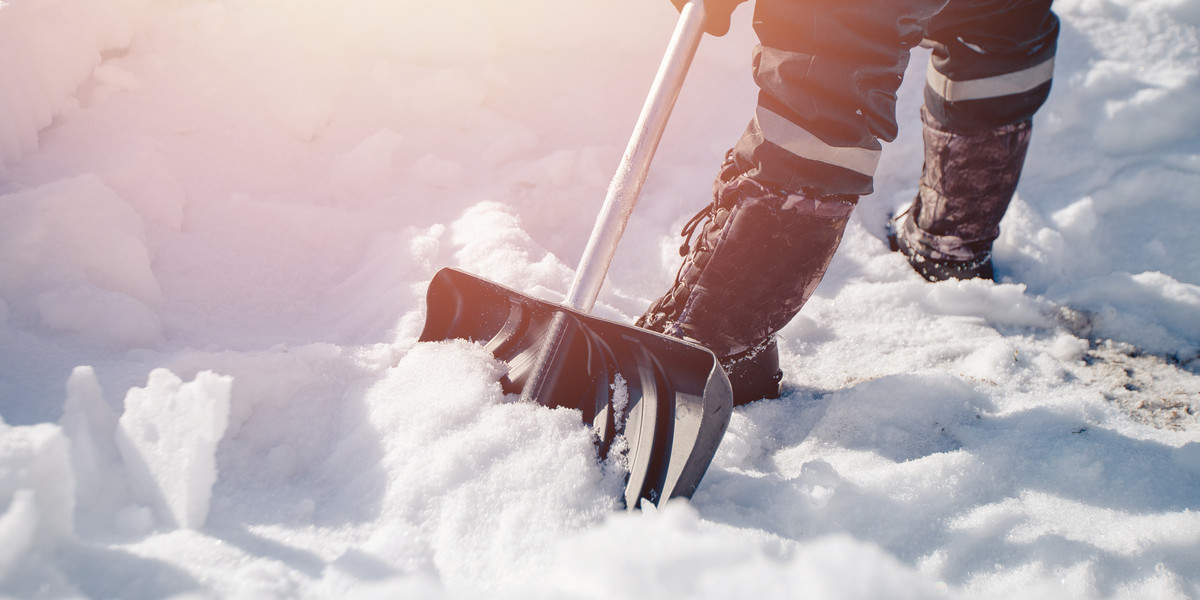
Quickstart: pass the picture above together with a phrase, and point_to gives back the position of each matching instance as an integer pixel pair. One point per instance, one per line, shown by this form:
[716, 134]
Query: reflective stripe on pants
[828, 72]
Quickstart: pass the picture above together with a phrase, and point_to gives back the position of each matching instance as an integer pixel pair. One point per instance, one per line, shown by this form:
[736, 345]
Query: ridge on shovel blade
[670, 399]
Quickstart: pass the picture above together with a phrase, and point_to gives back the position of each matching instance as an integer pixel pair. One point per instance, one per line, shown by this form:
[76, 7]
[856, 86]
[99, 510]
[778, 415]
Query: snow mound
[263, 190]
[74, 253]
[484, 484]
[37, 499]
[59, 43]
[168, 437]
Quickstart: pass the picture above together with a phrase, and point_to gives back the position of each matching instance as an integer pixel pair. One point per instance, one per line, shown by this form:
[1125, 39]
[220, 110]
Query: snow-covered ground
[218, 219]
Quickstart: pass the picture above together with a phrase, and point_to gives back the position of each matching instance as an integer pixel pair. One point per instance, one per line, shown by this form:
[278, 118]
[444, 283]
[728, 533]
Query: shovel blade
[669, 399]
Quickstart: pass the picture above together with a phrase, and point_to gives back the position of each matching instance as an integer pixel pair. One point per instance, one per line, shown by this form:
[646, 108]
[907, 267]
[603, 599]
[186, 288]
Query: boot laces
[689, 229]
[664, 308]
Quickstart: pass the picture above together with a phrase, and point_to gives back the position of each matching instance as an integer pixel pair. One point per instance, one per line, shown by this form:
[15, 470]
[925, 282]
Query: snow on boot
[755, 373]
[967, 182]
[939, 269]
[755, 261]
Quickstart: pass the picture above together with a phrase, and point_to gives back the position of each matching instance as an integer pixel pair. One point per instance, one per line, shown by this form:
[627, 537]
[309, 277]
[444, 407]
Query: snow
[218, 219]
[167, 437]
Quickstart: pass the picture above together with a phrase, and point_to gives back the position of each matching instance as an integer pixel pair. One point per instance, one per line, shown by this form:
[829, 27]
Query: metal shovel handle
[677, 399]
[627, 183]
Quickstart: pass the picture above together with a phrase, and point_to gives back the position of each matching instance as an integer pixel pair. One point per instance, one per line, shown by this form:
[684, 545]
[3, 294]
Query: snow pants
[828, 72]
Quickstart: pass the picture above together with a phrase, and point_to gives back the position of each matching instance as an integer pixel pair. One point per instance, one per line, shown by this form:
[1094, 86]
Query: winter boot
[967, 183]
[755, 261]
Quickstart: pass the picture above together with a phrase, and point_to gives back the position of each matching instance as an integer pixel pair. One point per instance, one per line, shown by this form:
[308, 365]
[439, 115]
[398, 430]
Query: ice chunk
[168, 438]
[51, 47]
[75, 253]
[37, 489]
[77, 231]
[91, 425]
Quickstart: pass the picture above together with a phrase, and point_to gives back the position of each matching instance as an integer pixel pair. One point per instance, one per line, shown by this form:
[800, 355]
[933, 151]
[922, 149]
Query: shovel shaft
[635, 164]
[676, 398]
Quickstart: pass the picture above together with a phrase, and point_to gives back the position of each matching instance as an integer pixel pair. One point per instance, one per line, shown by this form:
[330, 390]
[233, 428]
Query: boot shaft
[753, 265]
[967, 183]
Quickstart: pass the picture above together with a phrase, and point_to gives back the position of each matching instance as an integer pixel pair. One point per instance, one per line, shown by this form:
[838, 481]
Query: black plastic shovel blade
[669, 399]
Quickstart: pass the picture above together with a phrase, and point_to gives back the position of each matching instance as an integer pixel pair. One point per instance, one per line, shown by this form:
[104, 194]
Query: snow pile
[1102, 241]
[37, 489]
[75, 259]
[51, 47]
[91, 426]
[94, 474]
[234, 215]
[168, 437]
[478, 486]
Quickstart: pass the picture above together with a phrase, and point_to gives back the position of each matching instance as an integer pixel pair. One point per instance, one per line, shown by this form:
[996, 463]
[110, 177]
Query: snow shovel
[661, 402]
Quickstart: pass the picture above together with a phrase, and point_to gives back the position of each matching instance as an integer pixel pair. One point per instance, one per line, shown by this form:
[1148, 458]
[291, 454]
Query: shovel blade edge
[669, 399]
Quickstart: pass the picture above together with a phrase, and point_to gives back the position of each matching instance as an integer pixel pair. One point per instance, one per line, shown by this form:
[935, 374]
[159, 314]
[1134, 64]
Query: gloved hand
[717, 14]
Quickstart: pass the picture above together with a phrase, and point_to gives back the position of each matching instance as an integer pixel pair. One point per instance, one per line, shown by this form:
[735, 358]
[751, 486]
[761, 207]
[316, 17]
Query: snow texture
[167, 438]
[218, 219]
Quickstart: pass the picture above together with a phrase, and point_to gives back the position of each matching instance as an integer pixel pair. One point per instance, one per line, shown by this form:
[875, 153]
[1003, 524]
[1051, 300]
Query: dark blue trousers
[828, 71]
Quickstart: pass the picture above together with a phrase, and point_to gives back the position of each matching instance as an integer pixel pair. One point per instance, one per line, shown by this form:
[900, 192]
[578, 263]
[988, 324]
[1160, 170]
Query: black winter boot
[967, 182]
[754, 263]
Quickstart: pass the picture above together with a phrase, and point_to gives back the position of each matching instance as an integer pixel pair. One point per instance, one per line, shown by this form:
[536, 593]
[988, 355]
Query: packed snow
[218, 219]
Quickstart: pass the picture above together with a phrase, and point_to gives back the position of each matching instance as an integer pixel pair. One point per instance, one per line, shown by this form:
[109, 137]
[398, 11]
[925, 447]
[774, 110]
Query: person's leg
[828, 71]
[747, 270]
[990, 71]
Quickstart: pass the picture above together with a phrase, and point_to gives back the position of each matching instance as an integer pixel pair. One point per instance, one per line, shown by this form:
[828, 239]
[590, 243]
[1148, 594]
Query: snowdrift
[217, 220]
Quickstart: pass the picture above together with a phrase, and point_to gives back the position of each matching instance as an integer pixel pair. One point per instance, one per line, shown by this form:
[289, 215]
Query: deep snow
[218, 218]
